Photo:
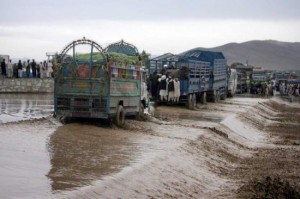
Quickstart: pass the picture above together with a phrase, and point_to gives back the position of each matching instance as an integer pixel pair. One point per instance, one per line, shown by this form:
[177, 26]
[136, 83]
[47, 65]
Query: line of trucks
[97, 86]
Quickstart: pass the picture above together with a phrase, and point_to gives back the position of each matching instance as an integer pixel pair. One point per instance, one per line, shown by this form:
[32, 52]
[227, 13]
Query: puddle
[17, 107]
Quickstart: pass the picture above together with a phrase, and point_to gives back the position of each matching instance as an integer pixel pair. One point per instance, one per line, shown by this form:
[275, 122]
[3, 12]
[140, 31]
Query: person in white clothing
[20, 69]
[170, 89]
[176, 90]
[49, 69]
[163, 88]
[9, 69]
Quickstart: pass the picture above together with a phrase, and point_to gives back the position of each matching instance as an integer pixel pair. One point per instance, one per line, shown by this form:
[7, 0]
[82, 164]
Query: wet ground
[16, 107]
[214, 151]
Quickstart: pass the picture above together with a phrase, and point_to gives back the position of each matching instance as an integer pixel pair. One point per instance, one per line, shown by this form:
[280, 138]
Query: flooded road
[178, 153]
[16, 107]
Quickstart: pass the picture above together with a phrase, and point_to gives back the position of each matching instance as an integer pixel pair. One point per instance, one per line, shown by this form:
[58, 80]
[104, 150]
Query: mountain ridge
[268, 54]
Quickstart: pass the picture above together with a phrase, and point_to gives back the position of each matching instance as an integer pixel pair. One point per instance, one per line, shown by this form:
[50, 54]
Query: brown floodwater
[81, 153]
[41, 158]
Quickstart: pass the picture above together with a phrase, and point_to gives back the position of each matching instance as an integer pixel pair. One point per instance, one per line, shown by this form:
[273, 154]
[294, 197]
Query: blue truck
[203, 76]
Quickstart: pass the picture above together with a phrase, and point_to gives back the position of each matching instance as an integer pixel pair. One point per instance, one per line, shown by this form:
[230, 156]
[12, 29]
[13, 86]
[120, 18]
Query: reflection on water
[15, 107]
[81, 153]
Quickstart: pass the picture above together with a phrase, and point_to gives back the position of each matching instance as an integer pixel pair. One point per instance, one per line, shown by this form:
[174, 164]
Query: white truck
[232, 83]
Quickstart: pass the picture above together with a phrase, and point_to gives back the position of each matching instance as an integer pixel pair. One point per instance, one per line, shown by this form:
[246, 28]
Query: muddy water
[42, 159]
[24, 159]
[81, 153]
[16, 107]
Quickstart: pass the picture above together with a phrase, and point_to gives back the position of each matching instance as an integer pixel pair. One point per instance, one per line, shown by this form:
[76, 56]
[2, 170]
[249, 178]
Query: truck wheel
[203, 98]
[120, 116]
[194, 101]
[217, 96]
[140, 114]
[223, 97]
[214, 97]
[191, 101]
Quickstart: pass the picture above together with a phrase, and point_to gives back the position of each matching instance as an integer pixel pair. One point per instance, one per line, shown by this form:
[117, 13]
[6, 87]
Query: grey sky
[157, 26]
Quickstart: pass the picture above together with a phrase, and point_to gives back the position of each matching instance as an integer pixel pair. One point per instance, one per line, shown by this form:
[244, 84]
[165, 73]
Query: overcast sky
[30, 28]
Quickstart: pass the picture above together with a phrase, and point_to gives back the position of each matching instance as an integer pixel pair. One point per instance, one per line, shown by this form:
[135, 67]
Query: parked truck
[232, 82]
[258, 81]
[95, 87]
[202, 75]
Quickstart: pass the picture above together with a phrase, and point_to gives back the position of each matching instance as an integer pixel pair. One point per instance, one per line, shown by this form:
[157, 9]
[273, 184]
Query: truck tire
[214, 96]
[203, 98]
[223, 97]
[140, 114]
[120, 116]
[218, 96]
[194, 100]
[191, 103]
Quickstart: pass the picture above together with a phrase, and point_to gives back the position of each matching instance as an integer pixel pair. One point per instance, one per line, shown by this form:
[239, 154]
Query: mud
[270, 188]
[239, 148]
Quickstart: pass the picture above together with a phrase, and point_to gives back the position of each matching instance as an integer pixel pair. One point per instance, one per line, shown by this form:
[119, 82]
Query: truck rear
[93, 87]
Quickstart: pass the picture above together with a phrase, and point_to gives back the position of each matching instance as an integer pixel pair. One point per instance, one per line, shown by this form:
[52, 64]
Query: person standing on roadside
[33, 68]
[44, 69]
[28, 69]
[20, 69]
[3, 68]
[41, 70]
[9, 69]
[49, 69]
[38, 70]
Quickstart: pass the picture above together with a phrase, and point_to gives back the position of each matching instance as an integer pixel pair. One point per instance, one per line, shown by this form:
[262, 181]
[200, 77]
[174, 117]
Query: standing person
[154, 86]
[44, 69]
[49, 69]
[171, 89]
[9, 69]
[33, 68]
[3, 68]
[176, 90]
[28, 69]
[20, 69]
[38, 70]
[163, 88]
[15, 70]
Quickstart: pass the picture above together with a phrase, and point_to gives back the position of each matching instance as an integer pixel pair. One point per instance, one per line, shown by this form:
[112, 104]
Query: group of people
[26, 69]
[163, 88]
[263, 89]
[289, 89]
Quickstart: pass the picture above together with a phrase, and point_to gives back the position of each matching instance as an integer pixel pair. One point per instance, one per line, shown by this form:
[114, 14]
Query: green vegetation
[115, 57]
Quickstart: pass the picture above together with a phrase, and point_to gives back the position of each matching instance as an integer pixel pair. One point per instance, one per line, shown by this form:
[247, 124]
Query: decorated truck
[92, 86]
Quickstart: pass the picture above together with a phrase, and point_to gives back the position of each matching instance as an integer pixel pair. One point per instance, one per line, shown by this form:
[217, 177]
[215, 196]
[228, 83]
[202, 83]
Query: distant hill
[269, 54]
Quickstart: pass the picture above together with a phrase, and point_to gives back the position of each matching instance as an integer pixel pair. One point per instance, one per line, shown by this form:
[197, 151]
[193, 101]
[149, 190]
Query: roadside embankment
[26, 85]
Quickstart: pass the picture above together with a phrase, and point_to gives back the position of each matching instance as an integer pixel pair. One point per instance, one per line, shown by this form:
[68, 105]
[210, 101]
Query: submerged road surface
[169, 155]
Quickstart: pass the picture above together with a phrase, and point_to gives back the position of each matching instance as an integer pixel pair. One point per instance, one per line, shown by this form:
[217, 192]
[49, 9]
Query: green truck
[96, 87]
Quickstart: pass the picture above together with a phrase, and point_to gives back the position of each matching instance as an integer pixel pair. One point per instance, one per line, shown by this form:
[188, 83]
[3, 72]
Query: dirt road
[239, 148]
